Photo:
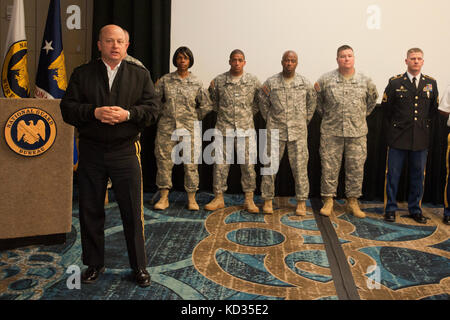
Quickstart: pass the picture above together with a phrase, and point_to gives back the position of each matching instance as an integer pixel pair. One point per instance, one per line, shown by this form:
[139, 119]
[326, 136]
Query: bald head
[289, 52]
[108, 28]
[112, 44]
[289, 63]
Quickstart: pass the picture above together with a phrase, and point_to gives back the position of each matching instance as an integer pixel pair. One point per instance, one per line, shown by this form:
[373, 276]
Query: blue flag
[51, 78]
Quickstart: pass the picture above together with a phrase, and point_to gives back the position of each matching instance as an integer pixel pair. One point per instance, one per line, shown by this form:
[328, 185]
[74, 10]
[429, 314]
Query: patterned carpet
[230, 254]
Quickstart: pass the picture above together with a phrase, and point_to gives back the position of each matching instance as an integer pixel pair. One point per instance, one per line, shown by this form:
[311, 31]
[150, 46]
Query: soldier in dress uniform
[410, 101]
[234, 95]
[344, 99]
[287, 103]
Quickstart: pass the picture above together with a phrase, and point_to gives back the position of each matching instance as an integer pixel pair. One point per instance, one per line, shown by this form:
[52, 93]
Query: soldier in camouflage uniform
[345, 99]
[287, 103]
[128, 57]
[234, 96]
[185, 101]
[134, 60]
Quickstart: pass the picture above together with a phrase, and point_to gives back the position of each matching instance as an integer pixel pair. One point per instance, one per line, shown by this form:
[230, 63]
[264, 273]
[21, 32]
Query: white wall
[264, 29]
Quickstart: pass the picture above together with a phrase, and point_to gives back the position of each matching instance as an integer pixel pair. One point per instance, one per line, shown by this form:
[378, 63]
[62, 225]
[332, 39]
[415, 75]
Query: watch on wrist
[128, 116]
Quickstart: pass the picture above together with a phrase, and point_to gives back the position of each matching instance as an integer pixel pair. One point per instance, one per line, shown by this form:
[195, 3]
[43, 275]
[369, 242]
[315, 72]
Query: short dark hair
[186, 52]
[342, 48]
[413, 50]
[237, 51]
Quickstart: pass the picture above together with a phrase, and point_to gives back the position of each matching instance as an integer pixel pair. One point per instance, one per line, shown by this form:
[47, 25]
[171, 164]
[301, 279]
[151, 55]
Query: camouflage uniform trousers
[354, 151]
[298, 159]
[163, 154]
[248, 174]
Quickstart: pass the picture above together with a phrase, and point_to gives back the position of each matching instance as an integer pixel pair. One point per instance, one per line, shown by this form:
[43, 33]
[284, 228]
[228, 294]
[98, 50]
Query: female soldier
[184, 102]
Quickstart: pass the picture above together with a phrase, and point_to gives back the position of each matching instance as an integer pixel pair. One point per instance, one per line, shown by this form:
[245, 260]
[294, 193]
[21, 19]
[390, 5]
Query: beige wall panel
[73, 61]
[75, 42]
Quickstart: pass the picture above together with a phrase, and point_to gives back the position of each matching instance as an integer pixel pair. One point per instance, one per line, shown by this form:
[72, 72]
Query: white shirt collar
[111, 73]
[410, 76]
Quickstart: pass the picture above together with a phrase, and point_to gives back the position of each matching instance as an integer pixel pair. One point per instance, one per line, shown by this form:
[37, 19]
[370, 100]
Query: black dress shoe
[419, 218]
[389, 216]
[91, 274]
[446, 220]
[142, 277]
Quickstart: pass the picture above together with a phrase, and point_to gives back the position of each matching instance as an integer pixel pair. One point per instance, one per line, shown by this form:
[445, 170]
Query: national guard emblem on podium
[30, 132]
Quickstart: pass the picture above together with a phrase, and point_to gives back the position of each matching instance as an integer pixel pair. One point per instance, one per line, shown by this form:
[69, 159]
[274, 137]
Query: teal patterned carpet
[230, 254]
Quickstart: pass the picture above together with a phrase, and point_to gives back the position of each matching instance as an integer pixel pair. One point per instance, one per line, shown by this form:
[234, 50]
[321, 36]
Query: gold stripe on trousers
[138, 155]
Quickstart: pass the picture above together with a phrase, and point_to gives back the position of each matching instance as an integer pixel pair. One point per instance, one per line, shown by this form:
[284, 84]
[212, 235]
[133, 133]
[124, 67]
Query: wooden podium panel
[35, 191]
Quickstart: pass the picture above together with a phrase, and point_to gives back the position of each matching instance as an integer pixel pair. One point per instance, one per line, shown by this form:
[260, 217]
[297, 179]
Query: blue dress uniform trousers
[122, 164]
[417, 161]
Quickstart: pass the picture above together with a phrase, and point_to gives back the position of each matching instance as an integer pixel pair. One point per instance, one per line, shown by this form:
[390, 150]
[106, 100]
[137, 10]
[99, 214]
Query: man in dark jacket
[109, 101]
[410, 102]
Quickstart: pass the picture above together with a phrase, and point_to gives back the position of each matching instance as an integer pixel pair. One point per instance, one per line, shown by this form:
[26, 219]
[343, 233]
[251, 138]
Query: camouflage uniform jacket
[344, 104]
[134, 60]
[288, 106]
[235, 103]
[185, 101]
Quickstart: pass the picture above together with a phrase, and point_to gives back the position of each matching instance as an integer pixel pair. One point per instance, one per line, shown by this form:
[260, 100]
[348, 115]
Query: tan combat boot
[163, 202]
[192, 203]
[353, 207]
[267, 207]
[327, 208]
[216, 203]
[301, 208]
[249, 205]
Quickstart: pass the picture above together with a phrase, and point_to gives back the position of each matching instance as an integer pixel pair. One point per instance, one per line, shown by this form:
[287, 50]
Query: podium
[36, 170]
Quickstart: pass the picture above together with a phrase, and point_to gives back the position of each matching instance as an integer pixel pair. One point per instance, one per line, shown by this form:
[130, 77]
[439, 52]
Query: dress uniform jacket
[409, 111]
